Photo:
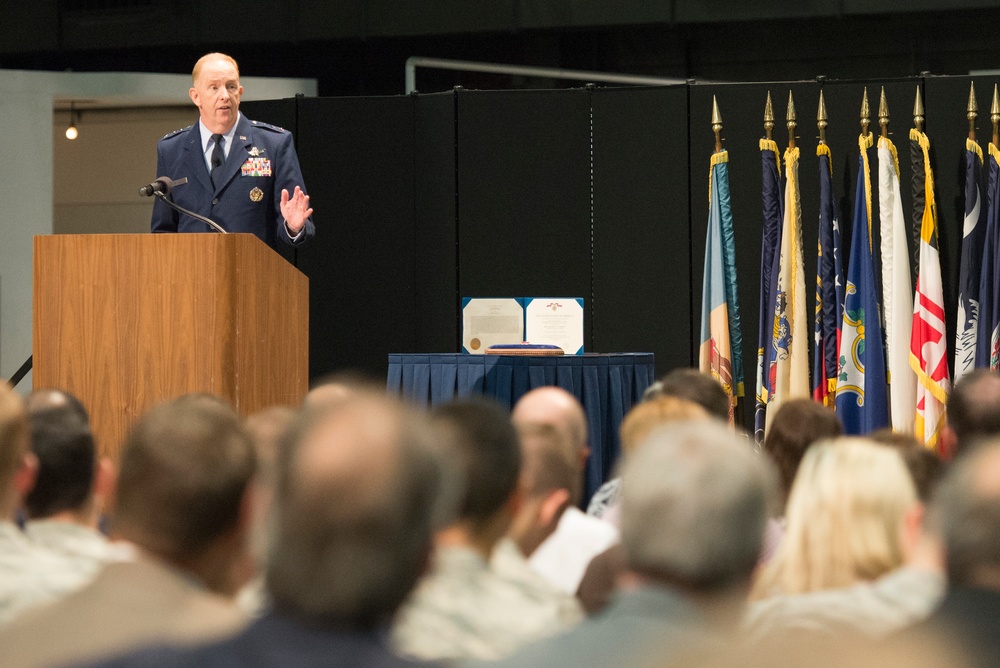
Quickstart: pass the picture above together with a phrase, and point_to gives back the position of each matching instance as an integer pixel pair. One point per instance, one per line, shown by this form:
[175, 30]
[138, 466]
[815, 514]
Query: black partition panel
[524, 183]
[435, 248]
[641, 298]
[358, 156]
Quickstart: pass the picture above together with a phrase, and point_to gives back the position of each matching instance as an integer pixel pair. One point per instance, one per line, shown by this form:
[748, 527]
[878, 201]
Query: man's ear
[195, 96]
[105, 478]
[26, 475]
[947, 442]
[912, 527]
[553, 505]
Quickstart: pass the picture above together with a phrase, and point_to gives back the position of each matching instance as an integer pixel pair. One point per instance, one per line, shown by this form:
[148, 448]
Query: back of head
[487, 455]
[657, 412]
[974, 407]
[795, 426]
[696, 506]
[967, 512]
[924, 465]
[48, 398]
[14, 437]
[547, 462]
[844, 516]
[183, 474]
[555, 406]
[64, 445]
[699, 388]
[356, 504]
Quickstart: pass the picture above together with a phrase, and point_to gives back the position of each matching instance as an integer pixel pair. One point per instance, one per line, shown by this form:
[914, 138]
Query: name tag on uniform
[256, 167]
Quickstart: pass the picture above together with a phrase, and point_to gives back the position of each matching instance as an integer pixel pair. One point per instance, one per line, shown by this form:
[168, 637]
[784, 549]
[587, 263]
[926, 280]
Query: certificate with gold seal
[489, 321]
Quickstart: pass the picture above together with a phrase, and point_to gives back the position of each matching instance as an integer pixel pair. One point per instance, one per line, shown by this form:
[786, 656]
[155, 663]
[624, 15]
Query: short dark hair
[795, 426]
[966, 511]
[973, 408]
[699, 388]
[183, 473]
[64, 446]
[924, 465]
[488, 455]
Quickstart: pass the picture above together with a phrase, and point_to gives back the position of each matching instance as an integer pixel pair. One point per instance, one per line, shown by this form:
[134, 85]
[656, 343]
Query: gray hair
[966, 512]
[694, 508]
[356, 505]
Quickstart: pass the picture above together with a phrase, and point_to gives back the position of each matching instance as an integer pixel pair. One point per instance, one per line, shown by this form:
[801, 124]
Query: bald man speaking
[242, 174]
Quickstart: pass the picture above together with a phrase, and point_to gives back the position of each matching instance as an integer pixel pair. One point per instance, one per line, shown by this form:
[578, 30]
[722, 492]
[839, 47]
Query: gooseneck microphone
[162, 186]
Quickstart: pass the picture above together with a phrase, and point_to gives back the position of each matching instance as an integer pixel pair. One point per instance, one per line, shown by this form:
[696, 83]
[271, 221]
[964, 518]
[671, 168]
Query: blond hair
[196, 72]
[644, 418]
[844, 515]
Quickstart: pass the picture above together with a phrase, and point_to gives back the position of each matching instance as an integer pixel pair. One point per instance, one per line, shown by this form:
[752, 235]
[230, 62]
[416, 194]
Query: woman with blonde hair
[844, 518]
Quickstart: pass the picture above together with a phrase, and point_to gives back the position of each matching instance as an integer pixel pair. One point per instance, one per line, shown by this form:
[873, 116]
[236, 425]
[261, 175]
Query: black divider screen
[524, 215]
[358, 157]
[642, 287]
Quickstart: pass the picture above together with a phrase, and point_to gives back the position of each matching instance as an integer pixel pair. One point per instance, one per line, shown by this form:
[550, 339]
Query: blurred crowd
[359, 530]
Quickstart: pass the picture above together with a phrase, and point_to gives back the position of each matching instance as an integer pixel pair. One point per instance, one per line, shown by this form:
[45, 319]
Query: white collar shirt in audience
[29, 575]
[85, 550]
[563, 557]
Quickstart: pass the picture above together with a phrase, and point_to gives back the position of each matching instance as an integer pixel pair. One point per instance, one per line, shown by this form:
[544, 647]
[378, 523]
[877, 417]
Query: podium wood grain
[125, 321]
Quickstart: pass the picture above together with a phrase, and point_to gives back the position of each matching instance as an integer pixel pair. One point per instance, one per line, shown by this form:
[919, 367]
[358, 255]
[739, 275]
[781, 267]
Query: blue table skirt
[607, 385]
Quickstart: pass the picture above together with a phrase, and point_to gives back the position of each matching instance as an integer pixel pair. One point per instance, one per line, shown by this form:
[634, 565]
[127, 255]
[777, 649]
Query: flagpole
[972, 111]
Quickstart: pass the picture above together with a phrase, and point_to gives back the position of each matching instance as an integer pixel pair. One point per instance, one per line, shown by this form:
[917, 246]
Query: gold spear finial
[768, 117]
[821, 118]
[717, 124]
[972, 110]
[865, 114]
[918, 112]
[883, 114]
[790, 117]
[995, 116]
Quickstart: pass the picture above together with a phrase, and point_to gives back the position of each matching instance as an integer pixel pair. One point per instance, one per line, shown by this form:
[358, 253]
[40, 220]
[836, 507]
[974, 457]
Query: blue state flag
[973, 236]
[988, 337]
[862, 397]
[829, 287]
[770, 249]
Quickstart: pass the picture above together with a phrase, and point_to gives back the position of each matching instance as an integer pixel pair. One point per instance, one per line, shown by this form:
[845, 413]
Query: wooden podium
[125, 321]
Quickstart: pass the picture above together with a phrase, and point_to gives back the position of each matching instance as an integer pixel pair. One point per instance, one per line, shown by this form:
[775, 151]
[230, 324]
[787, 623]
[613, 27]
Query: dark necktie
[218, 157]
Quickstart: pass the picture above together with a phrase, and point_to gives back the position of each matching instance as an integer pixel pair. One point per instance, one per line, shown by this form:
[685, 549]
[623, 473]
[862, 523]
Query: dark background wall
[358, 47]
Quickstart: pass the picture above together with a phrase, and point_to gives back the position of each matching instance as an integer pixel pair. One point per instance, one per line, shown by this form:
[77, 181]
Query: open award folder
[541, 321]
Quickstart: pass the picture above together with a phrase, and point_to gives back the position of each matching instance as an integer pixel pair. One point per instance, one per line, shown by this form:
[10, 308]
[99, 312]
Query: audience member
[795, 426]
[973, 412]
[692, 523]
[967, 513]
[548, 485]
[855, 558]
[602, 572]
[180, 504]
[359, 493]
[463, 609]
[267, 429]
[335, 387]
[29, 576]
[563, 557]
[642, 419]
[697, 387]
[65, 504]
[924, 465]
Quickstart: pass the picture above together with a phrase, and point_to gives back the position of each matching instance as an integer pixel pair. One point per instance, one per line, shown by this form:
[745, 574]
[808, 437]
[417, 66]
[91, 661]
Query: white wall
[96, 178]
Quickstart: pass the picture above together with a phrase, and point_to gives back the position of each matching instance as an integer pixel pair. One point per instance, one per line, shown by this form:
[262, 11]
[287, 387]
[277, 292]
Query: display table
[607, 385]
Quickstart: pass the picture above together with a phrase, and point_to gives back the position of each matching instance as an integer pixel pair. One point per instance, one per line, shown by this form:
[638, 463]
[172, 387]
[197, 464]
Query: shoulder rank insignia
[268, 126]
[176, 132]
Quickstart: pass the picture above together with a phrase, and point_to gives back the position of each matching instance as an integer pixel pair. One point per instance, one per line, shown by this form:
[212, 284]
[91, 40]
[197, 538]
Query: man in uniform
[242, 174]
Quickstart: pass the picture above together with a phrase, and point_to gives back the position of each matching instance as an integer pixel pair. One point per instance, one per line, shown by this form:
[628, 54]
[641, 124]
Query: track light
[71, 131]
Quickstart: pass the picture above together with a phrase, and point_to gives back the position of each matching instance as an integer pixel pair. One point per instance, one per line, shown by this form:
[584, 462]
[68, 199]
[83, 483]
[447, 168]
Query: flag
[988, 338]
[790, 365]
[973, 233]
[862, 401]
[770, 248]
[897, 300]
[721, 342]
[829, 287]
[928, 340]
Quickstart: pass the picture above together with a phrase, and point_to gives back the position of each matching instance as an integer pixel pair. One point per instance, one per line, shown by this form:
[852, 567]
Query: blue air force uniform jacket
[261, 162]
